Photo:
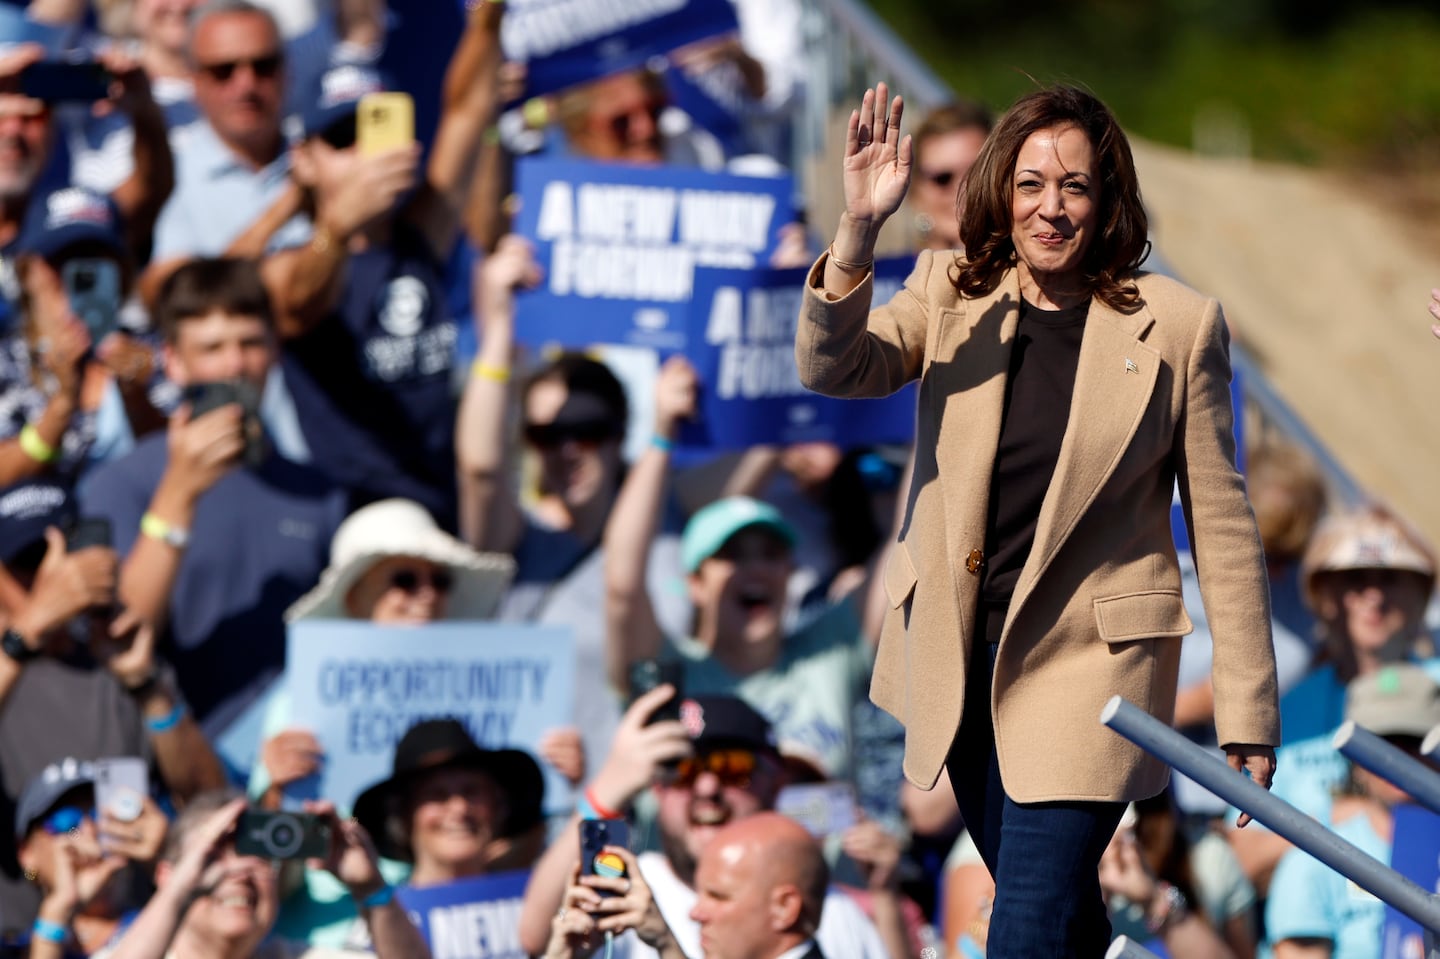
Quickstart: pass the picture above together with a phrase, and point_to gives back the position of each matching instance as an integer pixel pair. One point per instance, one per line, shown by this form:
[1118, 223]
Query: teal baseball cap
[711, 527]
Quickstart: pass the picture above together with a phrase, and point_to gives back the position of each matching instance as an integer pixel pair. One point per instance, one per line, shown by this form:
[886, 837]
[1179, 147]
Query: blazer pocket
[1148, 614]
[900, 576]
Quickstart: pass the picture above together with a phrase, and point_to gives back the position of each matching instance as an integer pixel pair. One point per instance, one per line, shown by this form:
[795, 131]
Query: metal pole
[1126, 948]
[1370, 874]
[1369, 751]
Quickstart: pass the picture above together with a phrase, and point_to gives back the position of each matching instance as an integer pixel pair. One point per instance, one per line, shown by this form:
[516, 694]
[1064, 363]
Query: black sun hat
[445, 744]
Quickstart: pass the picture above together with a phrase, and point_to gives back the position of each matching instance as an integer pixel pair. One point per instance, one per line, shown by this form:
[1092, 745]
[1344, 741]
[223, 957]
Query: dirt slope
[1327, 286]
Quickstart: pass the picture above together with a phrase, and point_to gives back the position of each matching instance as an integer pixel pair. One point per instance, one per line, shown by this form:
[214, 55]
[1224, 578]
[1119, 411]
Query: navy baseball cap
[26, 509]
[48, 788]
[69, 216]
[340, 93]
[715, 721]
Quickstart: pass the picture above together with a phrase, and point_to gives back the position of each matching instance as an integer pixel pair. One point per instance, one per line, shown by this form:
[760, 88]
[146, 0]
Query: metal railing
[1278, 816]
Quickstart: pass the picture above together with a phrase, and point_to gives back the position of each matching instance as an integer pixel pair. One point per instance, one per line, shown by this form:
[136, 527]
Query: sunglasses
[65, 820]
[733, 767]
[549, 436]
[264, 68]
[410, 580]
[941, 178]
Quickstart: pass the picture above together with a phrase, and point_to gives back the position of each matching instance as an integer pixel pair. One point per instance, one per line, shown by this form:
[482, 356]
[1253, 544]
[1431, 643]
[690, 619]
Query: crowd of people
[253, 376]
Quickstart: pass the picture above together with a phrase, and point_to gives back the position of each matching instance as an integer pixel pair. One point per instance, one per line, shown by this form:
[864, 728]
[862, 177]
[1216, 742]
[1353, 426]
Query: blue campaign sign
[565, 42]
[621, 245]
[475, 918]
[742, 342]
[1415, 854]
[358, 687]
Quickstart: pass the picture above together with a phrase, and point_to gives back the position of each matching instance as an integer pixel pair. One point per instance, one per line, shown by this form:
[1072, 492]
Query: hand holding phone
[92, 286]
[205, 397]
[383, 122]
[63, 81]
[595, 835]
[647, 674]
[282, 835]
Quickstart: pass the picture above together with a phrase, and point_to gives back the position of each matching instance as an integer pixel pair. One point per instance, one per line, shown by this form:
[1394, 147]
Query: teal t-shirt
[809, 694]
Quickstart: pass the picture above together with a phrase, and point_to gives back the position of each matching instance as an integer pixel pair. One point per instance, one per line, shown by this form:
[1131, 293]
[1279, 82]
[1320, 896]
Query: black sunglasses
[942, 178]
[547, 436]
[266, 67]
[410, 581]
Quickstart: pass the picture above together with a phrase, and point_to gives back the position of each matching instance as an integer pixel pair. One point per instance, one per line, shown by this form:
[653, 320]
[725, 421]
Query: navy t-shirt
[259, 542]
[372, 382]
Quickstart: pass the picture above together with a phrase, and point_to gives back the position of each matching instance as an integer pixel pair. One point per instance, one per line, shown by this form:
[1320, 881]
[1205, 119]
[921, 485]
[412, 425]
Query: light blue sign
[622, 246]
[742, 342]
[358, 687]
[566, 42]
[475, 918]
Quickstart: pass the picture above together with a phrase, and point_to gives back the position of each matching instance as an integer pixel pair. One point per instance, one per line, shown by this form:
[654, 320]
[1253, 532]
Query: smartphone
[282, 835]
[595, 835]
[61, 81]
[121, 785]
[649, 673]
[205, 397]
[93, 288]
[88, 531]
[384, 121]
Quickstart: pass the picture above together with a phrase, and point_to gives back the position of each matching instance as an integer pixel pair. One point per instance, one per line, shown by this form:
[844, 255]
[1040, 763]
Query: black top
[1032, 426]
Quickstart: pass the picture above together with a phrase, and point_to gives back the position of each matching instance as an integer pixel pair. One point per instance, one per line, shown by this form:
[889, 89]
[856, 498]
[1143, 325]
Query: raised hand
[877, 160]
[1435, 311]
[677, 393]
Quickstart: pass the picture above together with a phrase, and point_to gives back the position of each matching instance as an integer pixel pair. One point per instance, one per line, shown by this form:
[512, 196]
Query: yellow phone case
[384, 121]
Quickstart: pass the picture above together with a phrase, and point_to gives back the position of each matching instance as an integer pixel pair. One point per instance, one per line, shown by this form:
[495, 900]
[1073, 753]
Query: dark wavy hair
[1120, 244]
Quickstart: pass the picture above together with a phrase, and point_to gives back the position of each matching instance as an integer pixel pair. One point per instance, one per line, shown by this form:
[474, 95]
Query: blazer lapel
[967, 390]
[1113, 382]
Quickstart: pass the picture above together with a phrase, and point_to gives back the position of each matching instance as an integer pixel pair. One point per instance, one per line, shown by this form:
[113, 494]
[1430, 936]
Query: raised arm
[472, 84]
[152, 178]
[876, 177]
[631, 630]
[490, 515]
[837, 352]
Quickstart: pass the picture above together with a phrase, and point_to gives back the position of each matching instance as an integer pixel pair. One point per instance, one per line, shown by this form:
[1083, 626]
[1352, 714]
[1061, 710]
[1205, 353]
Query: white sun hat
[401, 527]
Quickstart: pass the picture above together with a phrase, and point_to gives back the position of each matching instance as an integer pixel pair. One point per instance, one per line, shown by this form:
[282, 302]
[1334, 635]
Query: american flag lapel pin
[1130, 366]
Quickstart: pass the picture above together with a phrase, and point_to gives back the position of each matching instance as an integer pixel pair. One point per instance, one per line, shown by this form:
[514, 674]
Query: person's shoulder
[1165, 293]
[142, 466]
[935, 272]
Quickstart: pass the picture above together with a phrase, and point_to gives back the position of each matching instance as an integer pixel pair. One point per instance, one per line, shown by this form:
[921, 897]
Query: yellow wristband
[33, 445]
[495, 374]
[155, 528]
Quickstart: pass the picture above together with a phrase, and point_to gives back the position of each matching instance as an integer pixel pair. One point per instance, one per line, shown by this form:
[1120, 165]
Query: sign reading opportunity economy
[621, 246]
[565, 42]
[742, 342]
[358, 687]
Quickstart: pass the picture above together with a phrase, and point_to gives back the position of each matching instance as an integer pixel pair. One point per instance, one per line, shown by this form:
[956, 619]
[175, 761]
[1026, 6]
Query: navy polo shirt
[259, 541]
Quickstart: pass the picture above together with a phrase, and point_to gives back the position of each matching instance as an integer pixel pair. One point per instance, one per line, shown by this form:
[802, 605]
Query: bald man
[761, 884]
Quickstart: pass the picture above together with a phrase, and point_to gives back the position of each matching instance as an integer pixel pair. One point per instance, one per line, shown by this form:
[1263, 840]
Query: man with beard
[718, 764]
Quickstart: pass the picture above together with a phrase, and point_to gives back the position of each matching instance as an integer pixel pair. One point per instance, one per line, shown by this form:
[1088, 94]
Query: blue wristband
[380, 897]
[662, 443]
[51, 931]
[167, 722]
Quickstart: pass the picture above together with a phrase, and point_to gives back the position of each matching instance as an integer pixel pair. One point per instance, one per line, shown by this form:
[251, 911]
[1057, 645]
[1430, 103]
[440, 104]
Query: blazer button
[974, 561]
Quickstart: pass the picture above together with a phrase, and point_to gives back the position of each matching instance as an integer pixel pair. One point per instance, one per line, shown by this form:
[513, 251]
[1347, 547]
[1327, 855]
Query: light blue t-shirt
[809, 694]
[1316, 705]
[1309, 900]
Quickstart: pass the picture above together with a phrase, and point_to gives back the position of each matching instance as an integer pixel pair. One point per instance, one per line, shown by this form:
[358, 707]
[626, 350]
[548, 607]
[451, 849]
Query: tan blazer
[1097, 610]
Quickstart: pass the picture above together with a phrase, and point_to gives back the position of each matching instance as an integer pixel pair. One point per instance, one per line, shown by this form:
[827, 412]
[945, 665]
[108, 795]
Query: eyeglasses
[733, 767]
[549, 436]
[65, 820]
[410, 580]
[941, 178]
[264, 68]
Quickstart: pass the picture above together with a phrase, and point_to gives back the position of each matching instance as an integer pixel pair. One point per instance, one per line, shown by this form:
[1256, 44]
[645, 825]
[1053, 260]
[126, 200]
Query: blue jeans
[1044, 856]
